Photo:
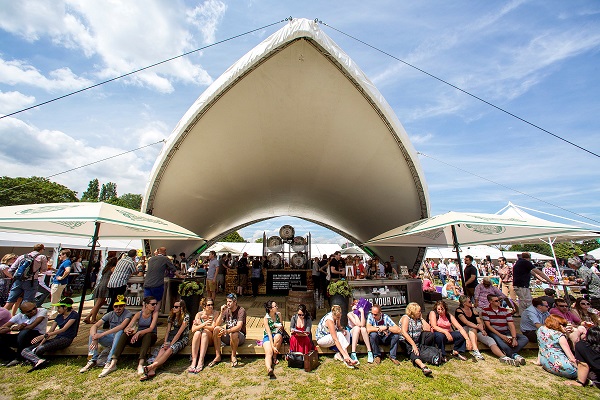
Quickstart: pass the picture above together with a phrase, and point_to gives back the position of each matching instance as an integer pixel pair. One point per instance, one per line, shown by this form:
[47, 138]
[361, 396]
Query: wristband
[46, 336]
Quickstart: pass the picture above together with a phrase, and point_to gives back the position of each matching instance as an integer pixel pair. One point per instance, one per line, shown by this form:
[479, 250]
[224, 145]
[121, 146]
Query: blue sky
[536, 59]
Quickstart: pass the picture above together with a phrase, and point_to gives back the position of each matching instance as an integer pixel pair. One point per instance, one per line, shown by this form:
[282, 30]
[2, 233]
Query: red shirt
[498, 319]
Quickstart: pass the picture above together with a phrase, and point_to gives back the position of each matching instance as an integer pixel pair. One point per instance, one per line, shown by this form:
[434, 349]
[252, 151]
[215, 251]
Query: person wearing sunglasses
[272, 336]
[234, 332]
[144, 336]
[582, 310]
[117, 319]
[202, 330]
[20, 330]
[575, 331]
[176, 338]
[301, 331]
[556, 356]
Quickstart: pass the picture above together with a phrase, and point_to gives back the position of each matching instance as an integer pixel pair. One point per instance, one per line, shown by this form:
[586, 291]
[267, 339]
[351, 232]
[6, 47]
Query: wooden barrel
[294, 299]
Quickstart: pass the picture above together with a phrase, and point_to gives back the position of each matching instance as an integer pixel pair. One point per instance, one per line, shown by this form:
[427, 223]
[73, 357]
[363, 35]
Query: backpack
[25, 268]
[430, 354]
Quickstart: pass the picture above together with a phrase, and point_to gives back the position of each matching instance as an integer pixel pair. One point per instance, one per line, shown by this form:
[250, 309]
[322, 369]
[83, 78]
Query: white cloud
[18, 72]
[13, 101]
[206, 17]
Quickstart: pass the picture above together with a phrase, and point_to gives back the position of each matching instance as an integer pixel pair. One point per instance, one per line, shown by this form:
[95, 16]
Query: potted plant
[191, 292]
[340, 293]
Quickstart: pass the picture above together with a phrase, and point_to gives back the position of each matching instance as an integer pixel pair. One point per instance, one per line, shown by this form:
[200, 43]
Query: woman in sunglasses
[272, 338]
[202, 328]
[300, 327]
[144, 336]
[582, 310]
[176, 338]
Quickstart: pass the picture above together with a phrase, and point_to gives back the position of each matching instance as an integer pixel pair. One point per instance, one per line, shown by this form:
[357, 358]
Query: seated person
[54, 339]
[500, 326]
[117, 319]
[176, 338]
[483, 289]
[141, 332]
[427, 285]
[587, 353]
[301, 331]
[555, 354]
[469, 318]
[415, 331]
[382, 330]
[272, 337]
[330, 332]
[441, 323]
[234, 333]
[549, 296]
[202, 331]
[582, 310]
[533, 317]
[451, 291]
[575, 331]
[358, 329]
[20, 330]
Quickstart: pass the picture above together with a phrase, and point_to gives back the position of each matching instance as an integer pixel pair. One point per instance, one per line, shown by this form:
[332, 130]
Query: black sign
[392, 298]
[280, 282]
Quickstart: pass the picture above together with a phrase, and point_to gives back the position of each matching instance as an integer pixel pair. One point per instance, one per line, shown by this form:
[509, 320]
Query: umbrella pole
[460, 267]
[86, 281]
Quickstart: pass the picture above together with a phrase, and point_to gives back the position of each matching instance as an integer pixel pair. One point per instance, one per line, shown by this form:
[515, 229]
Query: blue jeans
[443, 278]
[27, 289]
[108, 341]
[509, 351]
[390, 339]
[459, 342]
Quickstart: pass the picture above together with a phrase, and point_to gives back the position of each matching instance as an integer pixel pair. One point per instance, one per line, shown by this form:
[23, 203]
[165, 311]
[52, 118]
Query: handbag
[285, 336]
[311, 360]
[295, 359]
[430, 354]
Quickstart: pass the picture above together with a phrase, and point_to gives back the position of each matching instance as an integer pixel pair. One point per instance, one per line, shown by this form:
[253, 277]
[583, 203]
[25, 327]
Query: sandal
[459, 356]
[271, 373]
[147, 376]
[199, 368]
[426, 371]
[213, 363]
[191, 370]
[234, 363]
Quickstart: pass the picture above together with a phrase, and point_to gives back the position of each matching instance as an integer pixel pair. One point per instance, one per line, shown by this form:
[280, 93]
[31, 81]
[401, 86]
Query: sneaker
[338, 357]
[370, 357]
[508, 360]
[108, 368]
[477, 354]
[90, 364]
[354, 358]
[519, 360]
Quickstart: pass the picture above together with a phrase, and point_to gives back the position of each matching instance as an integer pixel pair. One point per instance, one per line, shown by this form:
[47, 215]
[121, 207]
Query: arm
[129, 330]
[117, 328]
[404, 332]
[210, 323]
[542, 276]
[465, 321]
[459, 328]
[435, 327]
[65, 274]
[35, 323]
[567, 349]
[166, 342]
[150, 328]
[181, 329]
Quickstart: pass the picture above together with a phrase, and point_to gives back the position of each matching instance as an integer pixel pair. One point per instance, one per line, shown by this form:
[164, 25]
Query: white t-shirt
[24, 319]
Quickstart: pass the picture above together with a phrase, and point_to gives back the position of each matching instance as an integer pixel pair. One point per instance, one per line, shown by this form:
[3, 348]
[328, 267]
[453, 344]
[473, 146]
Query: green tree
[92, 192]
[129, 200]
[589, 245]
[259, 240]
[34, 190]
[233, 237]
[108, 192]
[566, 249]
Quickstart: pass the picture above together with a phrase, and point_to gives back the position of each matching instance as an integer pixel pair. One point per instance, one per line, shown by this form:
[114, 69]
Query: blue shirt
[532, 316]
[60, 271]
[385, 320]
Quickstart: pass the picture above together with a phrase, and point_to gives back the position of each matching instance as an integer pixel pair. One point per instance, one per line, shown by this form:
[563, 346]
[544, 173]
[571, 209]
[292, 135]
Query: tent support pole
[460, 267]
[88, 270]
[551, 243]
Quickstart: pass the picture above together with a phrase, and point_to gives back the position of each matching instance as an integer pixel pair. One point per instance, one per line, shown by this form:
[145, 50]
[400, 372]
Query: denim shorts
[156, 292]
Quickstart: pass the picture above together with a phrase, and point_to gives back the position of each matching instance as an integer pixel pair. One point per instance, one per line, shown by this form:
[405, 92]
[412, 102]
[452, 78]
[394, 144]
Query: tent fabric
[20, 240]
[267, 130]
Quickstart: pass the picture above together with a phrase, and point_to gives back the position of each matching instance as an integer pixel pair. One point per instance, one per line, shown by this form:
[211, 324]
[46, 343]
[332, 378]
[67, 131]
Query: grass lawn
[332, 380]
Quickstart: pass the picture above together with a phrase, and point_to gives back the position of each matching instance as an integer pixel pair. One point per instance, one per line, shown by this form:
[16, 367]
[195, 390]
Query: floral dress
[552, 356]
[184, 338]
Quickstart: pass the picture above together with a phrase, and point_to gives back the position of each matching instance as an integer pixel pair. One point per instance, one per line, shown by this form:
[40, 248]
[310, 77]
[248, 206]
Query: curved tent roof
[290, 129]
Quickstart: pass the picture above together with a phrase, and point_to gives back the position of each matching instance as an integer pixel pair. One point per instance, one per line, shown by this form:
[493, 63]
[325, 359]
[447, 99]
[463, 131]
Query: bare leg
[343, 350]
[217, 343]
[497, 352]
[206, 337]
[268, 356]
[234, 341]
[473, 337]
[93, 315]
[365, 336]
[195, 346]
[163, 355]
[277, 341]
[17, 305]
[355, 333]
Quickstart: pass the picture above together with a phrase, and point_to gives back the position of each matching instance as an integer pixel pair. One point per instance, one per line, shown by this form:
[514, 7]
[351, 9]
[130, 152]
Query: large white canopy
[290, 129]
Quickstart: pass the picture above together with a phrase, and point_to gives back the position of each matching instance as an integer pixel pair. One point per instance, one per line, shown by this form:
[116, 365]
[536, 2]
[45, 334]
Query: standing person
[394, 264]
[382, 330]
[501, 327]
[470, 277]
[30, 323]
[154, 282]
[453, 270]
[27, 288]
[222, 269]
[141, 332]
[100, 291]
[272, 337]
[54, 339]
[234, 333]
[6, 277]
[589, 279]
[443, 272]
[202, 334]
[242, 271]
[256, 275]
[324, 275]
[358, 329]
[505, 271]
[336, 267]
[522, 277]
[211, 275]
[117, 284]
[118, 319]
[316, 274]
[176, 338]
[60, 279]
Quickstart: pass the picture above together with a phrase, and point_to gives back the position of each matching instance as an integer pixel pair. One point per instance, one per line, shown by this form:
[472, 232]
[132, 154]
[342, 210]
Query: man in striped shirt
[117, 284]
[500, 327]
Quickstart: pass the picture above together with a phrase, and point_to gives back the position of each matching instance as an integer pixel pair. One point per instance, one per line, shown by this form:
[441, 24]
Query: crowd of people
[567, 335]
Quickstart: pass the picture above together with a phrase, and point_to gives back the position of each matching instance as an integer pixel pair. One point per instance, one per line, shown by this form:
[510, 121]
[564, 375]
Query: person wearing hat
[234, 333]
[483, 289]
[54, 339]
[117, 319]
[589, 279]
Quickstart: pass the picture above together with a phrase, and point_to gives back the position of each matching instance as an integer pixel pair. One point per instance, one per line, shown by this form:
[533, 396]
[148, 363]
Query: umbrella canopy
[474, 228]
[79, 219]
[353, 251]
